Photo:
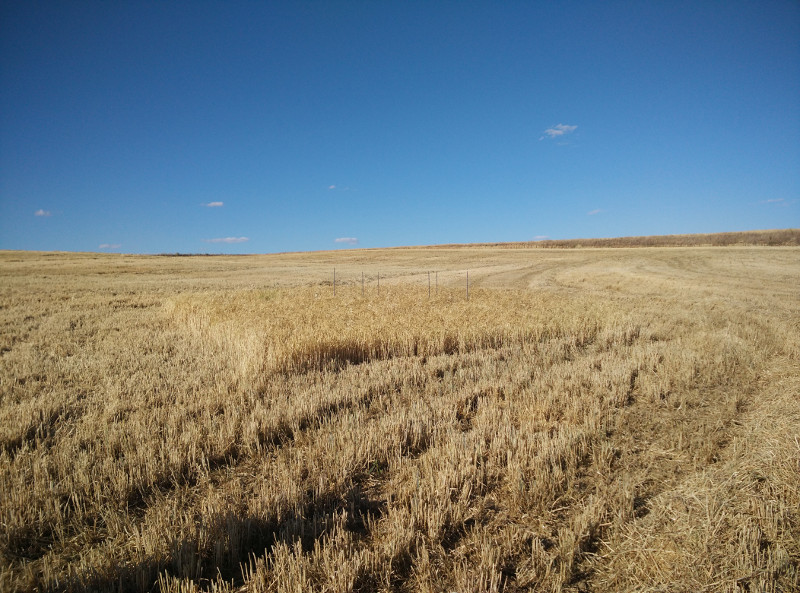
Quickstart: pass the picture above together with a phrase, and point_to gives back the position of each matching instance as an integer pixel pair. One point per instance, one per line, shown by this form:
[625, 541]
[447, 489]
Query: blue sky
[255, 127]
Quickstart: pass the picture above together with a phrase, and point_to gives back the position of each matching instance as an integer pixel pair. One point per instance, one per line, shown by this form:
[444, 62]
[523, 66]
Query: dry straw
[628, 424]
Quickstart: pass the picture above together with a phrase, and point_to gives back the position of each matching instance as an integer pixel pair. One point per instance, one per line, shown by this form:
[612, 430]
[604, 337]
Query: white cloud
[41, 212]
[541, 237]
[227, 240]
[109, 246]
[214, 204]
[331, 187]
[773, 201]
[593, 212]
[558, 130]
[347, 240]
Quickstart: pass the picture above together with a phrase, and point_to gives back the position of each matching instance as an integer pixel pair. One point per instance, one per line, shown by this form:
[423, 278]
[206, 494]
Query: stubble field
[588, 420]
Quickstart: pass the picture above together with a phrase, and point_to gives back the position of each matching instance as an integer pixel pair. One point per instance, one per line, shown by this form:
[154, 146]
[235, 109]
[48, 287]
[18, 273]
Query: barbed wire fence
[339, 281]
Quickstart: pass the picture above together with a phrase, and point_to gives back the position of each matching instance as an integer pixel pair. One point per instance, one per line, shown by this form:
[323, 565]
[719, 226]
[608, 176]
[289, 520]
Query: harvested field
[587, 420]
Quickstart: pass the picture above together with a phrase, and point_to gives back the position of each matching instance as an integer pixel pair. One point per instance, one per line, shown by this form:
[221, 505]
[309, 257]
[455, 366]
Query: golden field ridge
[595, 420]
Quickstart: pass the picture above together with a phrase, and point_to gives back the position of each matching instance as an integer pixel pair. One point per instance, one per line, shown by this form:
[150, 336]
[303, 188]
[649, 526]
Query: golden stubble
[588, 420]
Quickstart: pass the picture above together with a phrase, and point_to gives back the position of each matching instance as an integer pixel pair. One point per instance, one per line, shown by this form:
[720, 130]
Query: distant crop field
[580, 420]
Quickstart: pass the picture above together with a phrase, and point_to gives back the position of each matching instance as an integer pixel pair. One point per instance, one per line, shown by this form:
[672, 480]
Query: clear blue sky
[254, 127]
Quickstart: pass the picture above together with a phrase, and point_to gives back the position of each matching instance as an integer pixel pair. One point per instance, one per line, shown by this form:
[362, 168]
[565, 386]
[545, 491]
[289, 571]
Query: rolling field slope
[586, 420]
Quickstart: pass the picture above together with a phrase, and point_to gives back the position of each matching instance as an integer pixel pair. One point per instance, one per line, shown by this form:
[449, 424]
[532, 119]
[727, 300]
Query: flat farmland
[598, 419]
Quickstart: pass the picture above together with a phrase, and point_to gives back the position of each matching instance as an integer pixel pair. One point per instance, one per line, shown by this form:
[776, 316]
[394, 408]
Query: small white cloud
[593, 212]
[773, 201]
[347, 240]
[331, 187]
[109, 246]
[227, 240]
[214, 204]
[559, 130]
[541, 237]
[41, 212]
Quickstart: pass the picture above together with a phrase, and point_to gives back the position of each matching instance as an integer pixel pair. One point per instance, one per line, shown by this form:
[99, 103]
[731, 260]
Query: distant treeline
[773, 238]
